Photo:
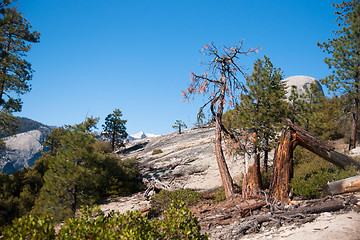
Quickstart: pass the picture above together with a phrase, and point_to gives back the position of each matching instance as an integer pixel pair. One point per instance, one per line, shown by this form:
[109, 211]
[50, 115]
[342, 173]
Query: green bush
[311, 173]
[89, 225]
[178, 223]
[103, 147]
[29, 227]
[163, 199]
[157, 151]
[119, 177]
[219, 195]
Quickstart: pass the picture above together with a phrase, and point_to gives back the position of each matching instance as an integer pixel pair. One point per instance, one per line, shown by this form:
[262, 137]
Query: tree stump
[283, 166]
[252, 179]
[283, 159]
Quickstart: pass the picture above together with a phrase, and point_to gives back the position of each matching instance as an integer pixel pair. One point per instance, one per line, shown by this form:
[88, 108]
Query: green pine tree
[8, 126]
[345, 60]
[114, 129]
[15, 72]
[178, 125]
[71, 179]
[53, 141]
[262, 108]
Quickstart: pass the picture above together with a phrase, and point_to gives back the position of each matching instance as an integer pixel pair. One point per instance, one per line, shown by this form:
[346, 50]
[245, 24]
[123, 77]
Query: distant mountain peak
[140, 135]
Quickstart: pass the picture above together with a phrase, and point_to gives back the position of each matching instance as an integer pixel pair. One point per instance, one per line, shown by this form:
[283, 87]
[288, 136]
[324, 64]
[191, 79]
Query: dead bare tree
[220, 84]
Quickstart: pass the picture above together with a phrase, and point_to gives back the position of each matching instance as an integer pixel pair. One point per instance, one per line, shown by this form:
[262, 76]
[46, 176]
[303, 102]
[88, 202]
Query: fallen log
[330, 206]
[300, 215]
[347, 185]
[321, 148]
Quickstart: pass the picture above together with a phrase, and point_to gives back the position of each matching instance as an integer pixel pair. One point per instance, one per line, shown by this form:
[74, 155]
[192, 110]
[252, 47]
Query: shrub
[157, 151]
[311, 173]
[178, 223]
[219, 195]
[89, 225]
[29, 227]
[103, 147]
[163, 199]
[120, 177]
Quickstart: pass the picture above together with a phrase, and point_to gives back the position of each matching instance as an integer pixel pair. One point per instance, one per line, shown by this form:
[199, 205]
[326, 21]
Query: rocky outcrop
[23, 149]
[186, 160]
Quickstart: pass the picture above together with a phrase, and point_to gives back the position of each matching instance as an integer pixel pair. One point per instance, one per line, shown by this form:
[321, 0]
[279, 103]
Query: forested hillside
[26, 124]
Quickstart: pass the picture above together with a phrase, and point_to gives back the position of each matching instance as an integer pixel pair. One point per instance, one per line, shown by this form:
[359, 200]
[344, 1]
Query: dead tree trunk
[220, 158]
[283, 162]
[351, 184]
[252, 179]
[283, 166]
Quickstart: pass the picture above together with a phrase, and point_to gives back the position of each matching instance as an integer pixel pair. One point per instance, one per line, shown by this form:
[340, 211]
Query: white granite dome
[301, 82]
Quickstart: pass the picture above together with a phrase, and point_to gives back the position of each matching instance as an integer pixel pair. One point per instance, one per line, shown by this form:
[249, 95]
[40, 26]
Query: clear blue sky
[96, 56]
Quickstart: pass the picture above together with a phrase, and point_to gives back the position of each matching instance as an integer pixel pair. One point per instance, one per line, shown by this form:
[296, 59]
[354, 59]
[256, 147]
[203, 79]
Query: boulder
[187, 160]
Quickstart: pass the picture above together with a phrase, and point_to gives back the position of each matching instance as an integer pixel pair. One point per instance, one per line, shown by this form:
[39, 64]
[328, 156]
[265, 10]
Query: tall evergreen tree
[345, 59]
[261, 111]
[15, 72]
[114, 129]
[71, 179]
[262, 108]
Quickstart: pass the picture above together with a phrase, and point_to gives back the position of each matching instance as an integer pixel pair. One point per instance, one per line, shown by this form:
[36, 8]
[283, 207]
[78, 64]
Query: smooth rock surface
[187, 160]
[23, 150]
[301, 83]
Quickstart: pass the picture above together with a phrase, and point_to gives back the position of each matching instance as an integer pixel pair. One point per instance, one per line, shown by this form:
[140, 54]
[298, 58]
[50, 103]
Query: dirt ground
[329, 226]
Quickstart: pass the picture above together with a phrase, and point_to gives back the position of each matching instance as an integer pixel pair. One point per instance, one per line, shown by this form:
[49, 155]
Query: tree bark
[113, 141]
[283, 159]
[4, 70]
[252, 179]
[346, 185]
[266, 155]
[283, 167]
[2, 85]
[355, 119]
[321, 148]
[224, 171]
